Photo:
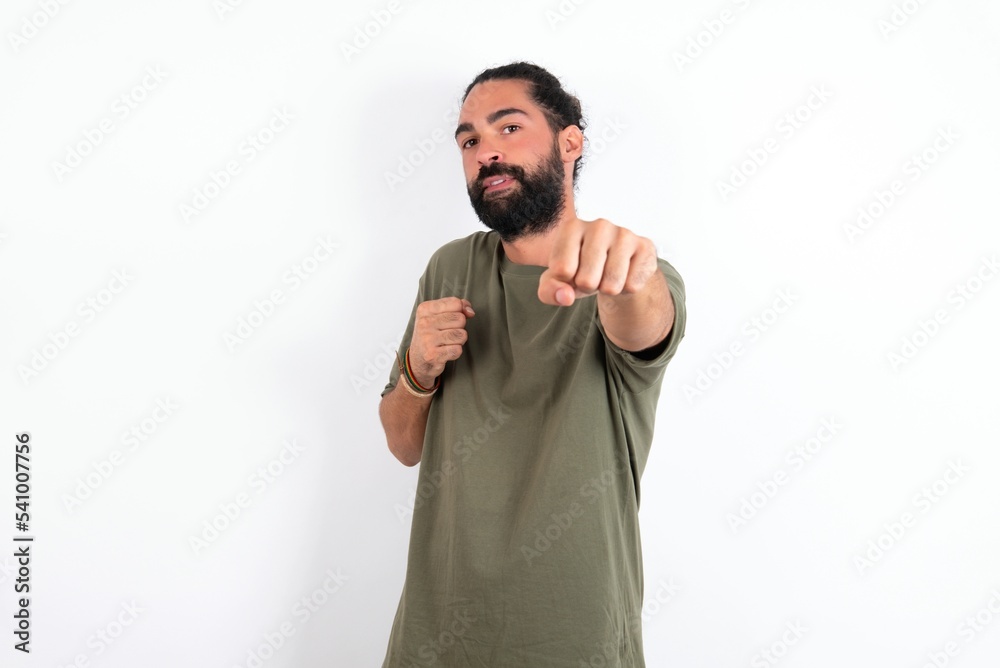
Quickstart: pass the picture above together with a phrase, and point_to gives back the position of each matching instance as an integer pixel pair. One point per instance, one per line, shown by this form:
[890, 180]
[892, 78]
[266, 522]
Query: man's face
[515, 174]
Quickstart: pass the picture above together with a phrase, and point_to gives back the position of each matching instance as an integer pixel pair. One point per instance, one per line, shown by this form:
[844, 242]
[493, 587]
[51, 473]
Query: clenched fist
[596, 256]
[438, 336]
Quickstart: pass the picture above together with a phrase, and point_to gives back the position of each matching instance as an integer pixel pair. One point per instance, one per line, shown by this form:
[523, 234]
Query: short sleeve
[637, 373]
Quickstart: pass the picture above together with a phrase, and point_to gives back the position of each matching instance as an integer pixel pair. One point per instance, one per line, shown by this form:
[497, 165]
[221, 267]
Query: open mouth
[497, 183]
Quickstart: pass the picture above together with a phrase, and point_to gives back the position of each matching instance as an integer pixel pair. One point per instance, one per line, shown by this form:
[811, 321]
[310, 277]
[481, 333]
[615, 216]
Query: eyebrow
[491, 119]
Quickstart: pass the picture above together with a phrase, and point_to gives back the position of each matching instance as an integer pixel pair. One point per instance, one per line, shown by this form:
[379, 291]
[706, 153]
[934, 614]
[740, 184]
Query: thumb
[555, 292]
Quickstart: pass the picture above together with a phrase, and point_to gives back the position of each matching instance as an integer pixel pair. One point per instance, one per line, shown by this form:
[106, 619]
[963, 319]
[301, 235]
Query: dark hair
[560, 108]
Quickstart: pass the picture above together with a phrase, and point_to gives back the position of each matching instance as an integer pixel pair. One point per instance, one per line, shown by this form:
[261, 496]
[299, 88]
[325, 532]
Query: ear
[570, 143]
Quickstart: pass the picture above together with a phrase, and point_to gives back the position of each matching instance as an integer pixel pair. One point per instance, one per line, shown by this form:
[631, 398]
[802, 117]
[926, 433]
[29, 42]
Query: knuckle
[587, 282]
[634, 284]
[560, 269]
[646, 271]
[613, 282]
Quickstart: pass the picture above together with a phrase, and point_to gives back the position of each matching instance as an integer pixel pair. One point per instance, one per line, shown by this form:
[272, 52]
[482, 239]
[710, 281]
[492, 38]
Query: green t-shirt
[524, 542]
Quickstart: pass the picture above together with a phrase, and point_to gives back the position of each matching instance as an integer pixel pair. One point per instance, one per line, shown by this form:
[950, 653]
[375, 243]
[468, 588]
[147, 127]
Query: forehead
[488, 96]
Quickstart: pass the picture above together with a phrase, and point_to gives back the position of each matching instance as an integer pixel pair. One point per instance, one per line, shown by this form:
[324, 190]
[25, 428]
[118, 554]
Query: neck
[537, 248]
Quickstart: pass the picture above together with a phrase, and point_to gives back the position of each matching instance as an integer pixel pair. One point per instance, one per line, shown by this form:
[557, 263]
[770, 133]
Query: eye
[467, 143]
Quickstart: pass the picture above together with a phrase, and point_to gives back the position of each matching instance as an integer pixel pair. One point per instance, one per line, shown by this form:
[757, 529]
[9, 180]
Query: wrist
[408, 388]
[422, 382]
[415, 383]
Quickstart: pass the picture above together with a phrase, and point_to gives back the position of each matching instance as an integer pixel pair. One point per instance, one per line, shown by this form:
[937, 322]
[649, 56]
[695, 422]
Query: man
[527, 386]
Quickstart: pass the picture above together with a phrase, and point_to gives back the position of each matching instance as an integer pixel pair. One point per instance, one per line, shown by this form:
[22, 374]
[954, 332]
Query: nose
[487, 153]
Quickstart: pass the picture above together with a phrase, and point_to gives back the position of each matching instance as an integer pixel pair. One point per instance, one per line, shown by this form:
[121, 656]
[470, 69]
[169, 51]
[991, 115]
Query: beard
[530, 206]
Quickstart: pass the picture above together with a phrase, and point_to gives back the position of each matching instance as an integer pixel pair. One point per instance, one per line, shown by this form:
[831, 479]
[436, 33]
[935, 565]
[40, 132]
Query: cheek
[527, 143]
[470, 166]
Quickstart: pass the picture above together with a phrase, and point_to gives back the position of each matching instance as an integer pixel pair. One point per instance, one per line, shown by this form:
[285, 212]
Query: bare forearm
[638, 320]
[404, 418]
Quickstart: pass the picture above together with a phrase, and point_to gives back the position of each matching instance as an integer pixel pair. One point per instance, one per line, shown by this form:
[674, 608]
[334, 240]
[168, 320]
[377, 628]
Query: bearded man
[526, 389]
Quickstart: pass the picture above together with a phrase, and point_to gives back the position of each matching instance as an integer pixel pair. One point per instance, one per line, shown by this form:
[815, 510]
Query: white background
[816, 551]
